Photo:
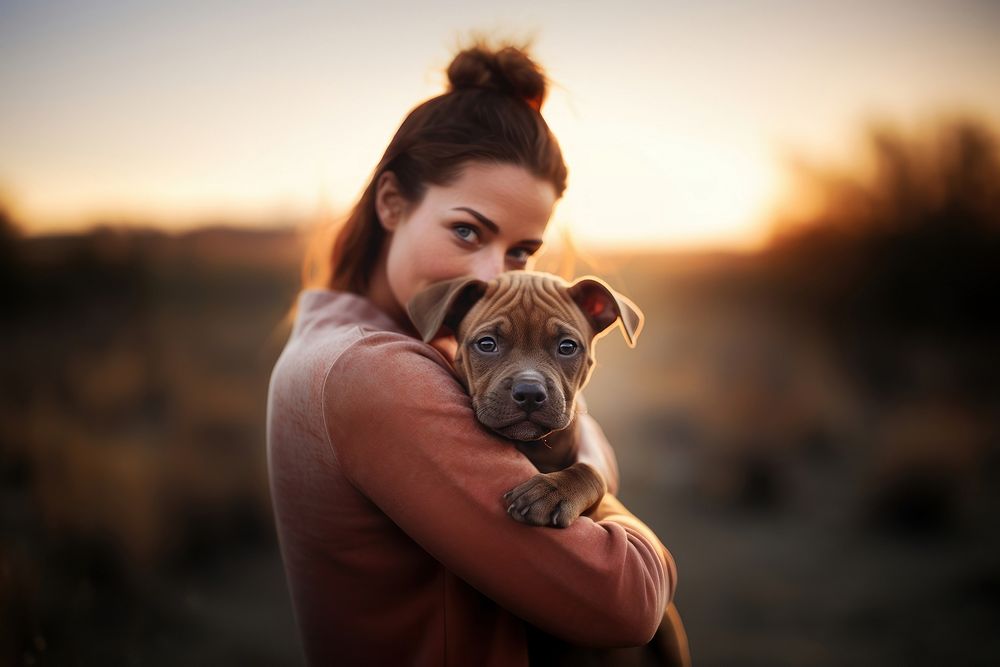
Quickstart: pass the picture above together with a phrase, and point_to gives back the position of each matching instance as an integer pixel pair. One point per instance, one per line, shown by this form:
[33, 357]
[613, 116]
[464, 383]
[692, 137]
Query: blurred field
[812, 430]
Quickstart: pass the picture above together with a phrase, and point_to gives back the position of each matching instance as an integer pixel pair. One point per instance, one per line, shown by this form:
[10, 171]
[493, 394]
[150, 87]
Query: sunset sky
[674, 117]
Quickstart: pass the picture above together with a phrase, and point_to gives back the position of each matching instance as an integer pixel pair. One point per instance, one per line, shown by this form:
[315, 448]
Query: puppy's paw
[544, 500]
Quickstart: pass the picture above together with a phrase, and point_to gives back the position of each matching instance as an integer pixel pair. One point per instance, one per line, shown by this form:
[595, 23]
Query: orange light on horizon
[669, 129]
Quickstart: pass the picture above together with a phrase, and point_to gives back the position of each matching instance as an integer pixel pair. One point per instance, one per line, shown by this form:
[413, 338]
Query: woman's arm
[594, 448]
[404, 433]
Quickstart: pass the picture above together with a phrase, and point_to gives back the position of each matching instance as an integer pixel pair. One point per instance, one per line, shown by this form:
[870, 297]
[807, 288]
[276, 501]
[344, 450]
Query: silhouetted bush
[898, 258]
[895, 265]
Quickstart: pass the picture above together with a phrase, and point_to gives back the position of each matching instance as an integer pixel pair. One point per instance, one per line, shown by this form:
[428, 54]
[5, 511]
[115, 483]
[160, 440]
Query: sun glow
[637, 186]
[143, 116]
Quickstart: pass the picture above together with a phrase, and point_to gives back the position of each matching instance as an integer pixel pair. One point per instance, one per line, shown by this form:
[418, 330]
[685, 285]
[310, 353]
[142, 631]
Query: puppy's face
[524, 351]
[525, 343]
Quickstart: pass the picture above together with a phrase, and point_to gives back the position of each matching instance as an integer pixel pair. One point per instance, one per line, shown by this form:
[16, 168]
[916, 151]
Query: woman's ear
[390, 204]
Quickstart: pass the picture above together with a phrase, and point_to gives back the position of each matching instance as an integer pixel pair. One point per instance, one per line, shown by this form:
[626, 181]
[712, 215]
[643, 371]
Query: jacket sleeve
[404, 434]
[595, 449]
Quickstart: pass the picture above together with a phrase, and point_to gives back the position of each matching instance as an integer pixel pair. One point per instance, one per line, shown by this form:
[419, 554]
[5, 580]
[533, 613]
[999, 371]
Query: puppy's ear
[603, 306]
[444, 303]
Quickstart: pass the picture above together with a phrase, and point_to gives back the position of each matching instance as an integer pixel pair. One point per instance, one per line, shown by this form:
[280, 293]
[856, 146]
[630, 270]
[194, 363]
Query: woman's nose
[488, 265]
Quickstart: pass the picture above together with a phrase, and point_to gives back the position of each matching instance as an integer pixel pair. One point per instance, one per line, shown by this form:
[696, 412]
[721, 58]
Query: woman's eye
[520, 255]
[465, 232]
[486, 344]
[568, 347]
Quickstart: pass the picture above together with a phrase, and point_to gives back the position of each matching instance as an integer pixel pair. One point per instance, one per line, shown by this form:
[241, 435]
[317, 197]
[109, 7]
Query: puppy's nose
[529, 395]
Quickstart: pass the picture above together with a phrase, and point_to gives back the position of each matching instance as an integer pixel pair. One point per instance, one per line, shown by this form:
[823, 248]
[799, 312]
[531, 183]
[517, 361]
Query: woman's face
[490, 220]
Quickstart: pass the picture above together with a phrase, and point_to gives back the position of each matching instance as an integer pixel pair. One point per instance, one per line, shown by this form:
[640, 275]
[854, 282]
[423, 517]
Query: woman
[387, 493]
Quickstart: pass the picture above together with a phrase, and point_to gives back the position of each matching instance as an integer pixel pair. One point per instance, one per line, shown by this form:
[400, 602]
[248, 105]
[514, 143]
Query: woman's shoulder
[333, 327]
[387, 357]
[324, 313]
[357, 326]
[331, 365]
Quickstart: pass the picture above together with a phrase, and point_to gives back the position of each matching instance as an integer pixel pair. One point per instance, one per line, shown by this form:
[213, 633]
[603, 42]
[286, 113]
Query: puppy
[525, 350]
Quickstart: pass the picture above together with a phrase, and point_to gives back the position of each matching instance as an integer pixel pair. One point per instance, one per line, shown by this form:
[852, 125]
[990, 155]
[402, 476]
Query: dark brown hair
[490, 113]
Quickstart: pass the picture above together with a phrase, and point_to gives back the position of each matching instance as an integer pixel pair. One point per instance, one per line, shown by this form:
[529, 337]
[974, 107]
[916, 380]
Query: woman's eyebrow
[489, 224]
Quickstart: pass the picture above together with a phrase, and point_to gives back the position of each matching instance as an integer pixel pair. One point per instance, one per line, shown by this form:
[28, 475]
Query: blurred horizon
[679, 129]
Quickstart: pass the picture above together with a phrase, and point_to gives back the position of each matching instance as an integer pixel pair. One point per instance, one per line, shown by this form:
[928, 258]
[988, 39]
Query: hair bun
[509, 70]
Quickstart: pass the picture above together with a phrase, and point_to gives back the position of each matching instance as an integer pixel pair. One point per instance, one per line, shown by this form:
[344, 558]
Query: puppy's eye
[486, 344]
[568, 347]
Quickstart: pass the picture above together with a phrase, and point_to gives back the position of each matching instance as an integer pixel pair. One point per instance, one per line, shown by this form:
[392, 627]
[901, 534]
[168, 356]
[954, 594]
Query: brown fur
[529, 314]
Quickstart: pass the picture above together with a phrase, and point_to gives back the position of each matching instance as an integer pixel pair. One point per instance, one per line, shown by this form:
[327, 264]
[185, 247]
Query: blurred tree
[901, 253]
[894, 266]
[9, 234]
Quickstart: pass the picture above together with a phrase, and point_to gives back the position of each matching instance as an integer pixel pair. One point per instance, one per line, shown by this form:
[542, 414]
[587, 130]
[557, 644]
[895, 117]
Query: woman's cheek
[445, 266]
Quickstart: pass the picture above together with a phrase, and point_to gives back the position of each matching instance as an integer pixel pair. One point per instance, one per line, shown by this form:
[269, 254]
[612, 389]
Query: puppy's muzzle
[529, 395]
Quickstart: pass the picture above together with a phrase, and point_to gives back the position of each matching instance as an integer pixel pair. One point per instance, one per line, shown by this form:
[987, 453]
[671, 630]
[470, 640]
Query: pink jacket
[395, 540]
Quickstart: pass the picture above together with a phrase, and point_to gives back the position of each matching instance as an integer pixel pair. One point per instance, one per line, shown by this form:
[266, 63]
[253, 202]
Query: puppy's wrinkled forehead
[538, 303]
